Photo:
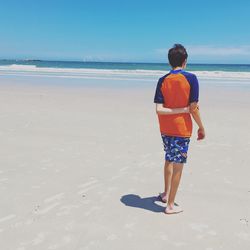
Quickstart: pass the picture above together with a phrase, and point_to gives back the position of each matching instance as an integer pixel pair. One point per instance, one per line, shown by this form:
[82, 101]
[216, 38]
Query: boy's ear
[184, 63]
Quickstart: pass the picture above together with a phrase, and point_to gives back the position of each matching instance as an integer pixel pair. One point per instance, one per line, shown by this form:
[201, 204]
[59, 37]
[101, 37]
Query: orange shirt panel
[176, 90]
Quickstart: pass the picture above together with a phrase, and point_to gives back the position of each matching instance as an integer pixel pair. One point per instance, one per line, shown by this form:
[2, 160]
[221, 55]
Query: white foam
[104, 73]
[33, 68]
[20, 67]
[223, 75]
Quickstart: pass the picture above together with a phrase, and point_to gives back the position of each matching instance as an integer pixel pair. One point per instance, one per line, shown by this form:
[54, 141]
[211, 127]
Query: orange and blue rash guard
[177, 89]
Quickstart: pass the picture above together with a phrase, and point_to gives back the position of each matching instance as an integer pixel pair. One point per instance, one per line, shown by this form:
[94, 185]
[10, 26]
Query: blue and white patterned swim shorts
[176, 148]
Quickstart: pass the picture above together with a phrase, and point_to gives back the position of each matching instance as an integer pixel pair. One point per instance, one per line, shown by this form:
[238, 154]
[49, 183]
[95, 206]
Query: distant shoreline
[112, 62]
[129, 72]
[42, 64]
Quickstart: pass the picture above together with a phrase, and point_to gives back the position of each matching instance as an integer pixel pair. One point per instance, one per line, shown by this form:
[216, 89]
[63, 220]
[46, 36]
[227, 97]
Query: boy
[176, 99]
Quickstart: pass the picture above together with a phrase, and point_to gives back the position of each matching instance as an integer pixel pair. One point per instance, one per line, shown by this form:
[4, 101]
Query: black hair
[177, 55]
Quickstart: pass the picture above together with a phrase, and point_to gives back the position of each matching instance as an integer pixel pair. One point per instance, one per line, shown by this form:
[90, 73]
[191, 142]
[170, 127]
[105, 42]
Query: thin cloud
[210, 50]
[222, 51]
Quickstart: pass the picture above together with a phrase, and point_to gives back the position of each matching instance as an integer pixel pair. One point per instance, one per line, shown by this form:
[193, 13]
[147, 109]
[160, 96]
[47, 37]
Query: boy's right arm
[194, 110]
[161, 110]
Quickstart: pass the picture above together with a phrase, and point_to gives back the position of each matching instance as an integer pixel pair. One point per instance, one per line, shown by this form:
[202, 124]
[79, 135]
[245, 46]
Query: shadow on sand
[147, 203]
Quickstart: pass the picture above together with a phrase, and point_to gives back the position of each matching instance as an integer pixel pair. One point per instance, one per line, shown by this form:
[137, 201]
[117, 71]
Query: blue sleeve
[194, 86]
[158, 94]
[194, 89]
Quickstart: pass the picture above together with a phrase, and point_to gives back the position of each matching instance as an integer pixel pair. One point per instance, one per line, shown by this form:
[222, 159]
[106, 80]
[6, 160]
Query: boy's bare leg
[175, 181]
[168, 171]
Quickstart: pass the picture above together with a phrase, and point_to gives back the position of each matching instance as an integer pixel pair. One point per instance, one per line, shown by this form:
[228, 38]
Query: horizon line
[121, 62]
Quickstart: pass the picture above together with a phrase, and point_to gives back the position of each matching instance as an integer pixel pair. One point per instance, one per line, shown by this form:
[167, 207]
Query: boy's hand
[201, 134]
[187, 109]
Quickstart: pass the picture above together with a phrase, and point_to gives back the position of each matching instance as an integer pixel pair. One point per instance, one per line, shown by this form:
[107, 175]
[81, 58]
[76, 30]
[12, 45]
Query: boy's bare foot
[173, 209]
[163, 197]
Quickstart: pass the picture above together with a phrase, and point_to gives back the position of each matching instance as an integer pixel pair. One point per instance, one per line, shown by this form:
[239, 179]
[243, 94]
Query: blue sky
[131, 30]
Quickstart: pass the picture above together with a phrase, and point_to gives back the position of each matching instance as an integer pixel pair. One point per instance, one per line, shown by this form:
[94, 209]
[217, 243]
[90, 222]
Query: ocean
[120, 70]
[125, 65]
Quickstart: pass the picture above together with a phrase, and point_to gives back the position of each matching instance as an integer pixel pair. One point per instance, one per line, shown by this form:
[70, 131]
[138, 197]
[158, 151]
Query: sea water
[120, 71]
[125, 65]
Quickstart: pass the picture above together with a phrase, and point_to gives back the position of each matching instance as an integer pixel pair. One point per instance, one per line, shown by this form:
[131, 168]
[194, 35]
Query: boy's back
[177, 89]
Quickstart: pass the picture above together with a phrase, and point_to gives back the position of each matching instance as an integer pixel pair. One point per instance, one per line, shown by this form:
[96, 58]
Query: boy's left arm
[194, 110]
[194, 107]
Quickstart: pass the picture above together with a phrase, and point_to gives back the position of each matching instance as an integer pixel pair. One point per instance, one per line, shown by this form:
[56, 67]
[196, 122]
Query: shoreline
[117, 74]
[110, 82]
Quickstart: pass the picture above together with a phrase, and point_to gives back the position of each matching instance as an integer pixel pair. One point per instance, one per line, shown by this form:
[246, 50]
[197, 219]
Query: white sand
[80, 168]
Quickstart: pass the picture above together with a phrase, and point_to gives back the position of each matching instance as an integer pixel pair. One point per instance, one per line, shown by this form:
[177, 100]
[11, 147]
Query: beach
[82, 159]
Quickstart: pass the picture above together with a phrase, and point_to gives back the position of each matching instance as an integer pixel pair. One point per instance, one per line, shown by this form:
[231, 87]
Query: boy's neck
[177, 68]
